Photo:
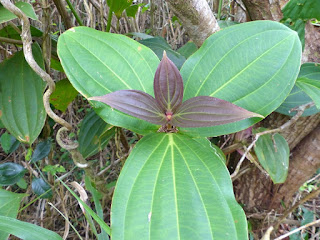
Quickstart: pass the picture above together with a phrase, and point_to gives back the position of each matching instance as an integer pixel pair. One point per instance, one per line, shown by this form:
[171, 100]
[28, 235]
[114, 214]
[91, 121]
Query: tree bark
[196, 17]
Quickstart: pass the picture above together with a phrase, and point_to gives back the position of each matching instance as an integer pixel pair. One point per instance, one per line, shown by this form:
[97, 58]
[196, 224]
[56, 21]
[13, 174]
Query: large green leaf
[310, 87]
[297, 97]
[6, 15]
[273, 154]
[304, 9]
[26, 231]
[21, 105]
[94, 134]
[98, 63]
[175, 187]
[9, 206]
[253, 65]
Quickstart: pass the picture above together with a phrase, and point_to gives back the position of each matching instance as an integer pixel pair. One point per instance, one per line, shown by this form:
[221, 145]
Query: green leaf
[98, 63]
[9, 206]
[63, 95]
[139, 35]
[310, 87]
[22, 183]
[252, 65]
[56, 65]
[26, 231]
[6, 142]
[273, 154]
[175, 187]
[41, 188]
[42, 150]
[132, 10]
[10, 32]
[21, 105]
[10, 203]
[9, 143]
[118, 6]
[53, 169]
[304, 9]
[297, 97]
[10, 173]
[6, 15]
[158, 45]
[226, 23]
[188, 49]
[94, 134]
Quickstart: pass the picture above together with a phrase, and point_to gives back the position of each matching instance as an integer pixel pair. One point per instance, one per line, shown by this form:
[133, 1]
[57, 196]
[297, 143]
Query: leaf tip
[164, 54]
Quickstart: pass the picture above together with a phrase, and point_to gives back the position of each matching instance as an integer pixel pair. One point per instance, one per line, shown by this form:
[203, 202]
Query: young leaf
[135, 103]
[168, 85]
[204, 111]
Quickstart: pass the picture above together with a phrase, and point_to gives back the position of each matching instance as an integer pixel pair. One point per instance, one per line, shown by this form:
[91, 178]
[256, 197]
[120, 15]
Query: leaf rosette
[167, 108]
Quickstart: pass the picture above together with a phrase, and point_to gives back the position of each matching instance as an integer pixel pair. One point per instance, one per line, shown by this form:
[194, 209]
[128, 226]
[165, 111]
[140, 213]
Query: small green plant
[175, 184]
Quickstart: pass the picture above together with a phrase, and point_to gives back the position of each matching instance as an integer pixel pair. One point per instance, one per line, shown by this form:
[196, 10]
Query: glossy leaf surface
[297, 97]
[310, 87]
[98, 63]
[273, 154]
[21, 89]
[175, 187]
[94, 134]
[41, 188]
[41, 151]
[9, 206]
[168, 85]
[253, 65]
[6, 15]
[206, 111]
[135, 103]
[10, 173]
[26, 231]
[63, 95]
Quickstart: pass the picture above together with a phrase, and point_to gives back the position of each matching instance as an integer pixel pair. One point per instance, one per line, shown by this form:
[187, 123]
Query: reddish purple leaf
[204, 111]
[168, 85]
[135, 103]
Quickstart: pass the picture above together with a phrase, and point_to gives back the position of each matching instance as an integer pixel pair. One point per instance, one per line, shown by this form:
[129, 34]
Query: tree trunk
[197, 18]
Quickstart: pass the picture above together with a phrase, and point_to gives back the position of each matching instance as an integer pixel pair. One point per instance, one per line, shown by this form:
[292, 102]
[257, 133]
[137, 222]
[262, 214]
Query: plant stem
[10, 40]
[109, 20]
[75, 14]
[219, 9]
[63, 12]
